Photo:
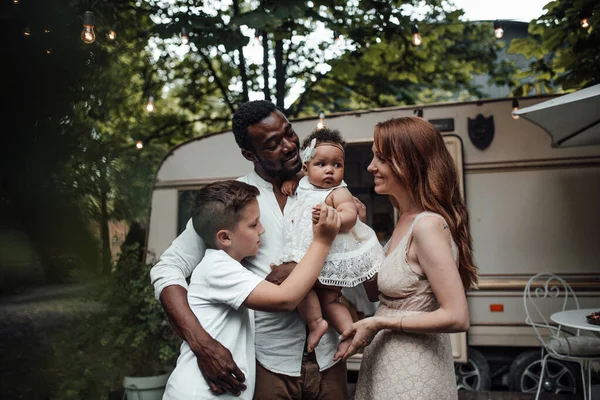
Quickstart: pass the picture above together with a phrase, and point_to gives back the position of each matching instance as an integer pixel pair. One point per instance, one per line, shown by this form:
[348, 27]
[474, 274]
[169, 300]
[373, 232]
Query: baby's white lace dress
[355, 255]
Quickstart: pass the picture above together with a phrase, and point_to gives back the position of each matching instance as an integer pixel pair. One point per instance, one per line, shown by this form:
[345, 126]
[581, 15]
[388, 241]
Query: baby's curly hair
[325, 136]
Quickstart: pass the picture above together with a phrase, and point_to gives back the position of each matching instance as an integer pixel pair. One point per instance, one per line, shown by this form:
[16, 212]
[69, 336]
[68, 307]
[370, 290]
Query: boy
[222, 293]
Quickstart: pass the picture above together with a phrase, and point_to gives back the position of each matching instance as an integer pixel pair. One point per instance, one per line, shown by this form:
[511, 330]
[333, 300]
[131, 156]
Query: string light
[27, 31]
[46, 30]
[336, 35]
[87, 34]
[139, 145]
[515, 108]
[15, 1]
[150, 104]
[49, 51]
[112, 33]
[321, 123]
[185, 39]
[498, 31]
[416, 38]
[584, 21]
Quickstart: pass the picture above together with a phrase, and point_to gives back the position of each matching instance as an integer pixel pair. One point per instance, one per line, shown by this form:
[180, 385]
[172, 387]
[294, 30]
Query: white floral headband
[309, 152]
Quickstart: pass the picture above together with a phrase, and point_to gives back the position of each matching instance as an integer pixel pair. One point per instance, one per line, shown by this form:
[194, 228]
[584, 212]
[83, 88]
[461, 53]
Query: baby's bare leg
[310, 311]
[337, 314]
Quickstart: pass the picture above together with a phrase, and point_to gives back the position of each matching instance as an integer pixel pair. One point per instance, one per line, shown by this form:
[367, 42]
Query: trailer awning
[571, 120]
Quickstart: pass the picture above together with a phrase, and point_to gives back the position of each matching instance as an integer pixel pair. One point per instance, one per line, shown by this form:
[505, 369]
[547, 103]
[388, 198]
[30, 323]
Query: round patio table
[576, 319]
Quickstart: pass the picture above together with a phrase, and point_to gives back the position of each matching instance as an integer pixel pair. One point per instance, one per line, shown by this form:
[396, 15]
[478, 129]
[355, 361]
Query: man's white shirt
[280, 337]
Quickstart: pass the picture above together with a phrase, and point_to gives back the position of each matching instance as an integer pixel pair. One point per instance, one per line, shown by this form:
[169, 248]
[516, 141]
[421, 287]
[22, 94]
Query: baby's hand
[316, 213]
[289, 187]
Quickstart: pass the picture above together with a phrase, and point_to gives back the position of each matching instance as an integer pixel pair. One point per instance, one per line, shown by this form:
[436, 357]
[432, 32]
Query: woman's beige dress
[398, 365]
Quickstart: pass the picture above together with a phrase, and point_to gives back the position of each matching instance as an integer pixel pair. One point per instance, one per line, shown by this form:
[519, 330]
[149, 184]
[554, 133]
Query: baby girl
[355, 254]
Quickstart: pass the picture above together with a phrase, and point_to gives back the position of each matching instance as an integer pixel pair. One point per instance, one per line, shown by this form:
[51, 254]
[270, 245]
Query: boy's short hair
[218, 206]
[324, 136]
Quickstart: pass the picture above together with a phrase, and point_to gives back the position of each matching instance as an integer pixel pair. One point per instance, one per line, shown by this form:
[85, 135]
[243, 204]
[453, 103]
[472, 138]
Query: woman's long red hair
[417, 153]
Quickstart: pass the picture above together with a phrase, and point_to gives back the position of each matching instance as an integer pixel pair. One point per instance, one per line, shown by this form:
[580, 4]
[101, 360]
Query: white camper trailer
[532, 208]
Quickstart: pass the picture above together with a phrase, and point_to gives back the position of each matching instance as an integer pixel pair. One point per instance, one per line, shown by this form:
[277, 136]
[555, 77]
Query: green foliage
[374, 65]
[143, 341]
[124, 333]
[562, 53]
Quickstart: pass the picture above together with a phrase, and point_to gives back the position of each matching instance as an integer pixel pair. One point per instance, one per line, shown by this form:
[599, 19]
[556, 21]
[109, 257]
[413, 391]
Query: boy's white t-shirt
[218, 287]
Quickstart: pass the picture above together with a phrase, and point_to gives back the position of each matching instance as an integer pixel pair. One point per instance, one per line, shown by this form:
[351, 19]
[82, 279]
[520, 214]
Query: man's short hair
[218, 206]
[324, 136]
[248, 114]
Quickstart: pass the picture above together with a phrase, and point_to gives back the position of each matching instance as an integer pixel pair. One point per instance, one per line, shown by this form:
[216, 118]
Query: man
[284, 369]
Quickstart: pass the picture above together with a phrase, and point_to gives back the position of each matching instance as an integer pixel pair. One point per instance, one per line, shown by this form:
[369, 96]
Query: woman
[428, 267]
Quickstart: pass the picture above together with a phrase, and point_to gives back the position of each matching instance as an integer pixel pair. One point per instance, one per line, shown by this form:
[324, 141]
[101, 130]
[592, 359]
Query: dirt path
[29, 323]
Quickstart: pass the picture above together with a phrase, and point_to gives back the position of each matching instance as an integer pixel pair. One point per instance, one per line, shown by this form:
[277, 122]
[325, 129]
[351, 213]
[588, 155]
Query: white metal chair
[556, 342]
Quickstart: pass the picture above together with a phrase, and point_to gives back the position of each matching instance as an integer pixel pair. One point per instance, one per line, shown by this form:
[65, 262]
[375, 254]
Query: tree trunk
[265, 43]
[105, 233]
[279, 73]
[243, 74]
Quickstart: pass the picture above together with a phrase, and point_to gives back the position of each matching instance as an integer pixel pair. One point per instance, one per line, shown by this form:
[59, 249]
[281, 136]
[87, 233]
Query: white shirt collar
[258, 181]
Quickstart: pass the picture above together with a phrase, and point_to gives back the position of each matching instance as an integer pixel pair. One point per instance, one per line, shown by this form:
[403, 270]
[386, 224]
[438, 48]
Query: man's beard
[281, 172]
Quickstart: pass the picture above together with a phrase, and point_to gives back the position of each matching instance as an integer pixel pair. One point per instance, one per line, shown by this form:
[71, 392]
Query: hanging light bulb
[185, 39]
[416, 38]
[139, 145]
[49, 51]
[498, 31]
[112, 33]
[584, 20]
[87, 34]
[27, 31]
[150, 104]
[46, 30]
[15, 1]
[336, 35]
[515, 108]
[321, 123]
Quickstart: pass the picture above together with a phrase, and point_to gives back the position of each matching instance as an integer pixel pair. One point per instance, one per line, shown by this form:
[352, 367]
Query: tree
[388, 70]
[564, 53]
[374, 64]
[75, 110]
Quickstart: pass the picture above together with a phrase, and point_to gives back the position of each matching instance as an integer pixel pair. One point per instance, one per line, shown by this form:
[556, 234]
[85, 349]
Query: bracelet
[401, 319]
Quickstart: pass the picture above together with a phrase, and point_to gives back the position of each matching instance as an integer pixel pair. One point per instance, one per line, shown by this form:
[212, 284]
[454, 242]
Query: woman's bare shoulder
[430, 227]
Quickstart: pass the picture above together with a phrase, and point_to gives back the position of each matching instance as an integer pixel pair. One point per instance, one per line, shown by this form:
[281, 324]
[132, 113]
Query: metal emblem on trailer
[481, 131]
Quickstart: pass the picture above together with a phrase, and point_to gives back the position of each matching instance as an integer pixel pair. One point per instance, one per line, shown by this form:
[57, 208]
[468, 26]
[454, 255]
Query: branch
[217, 81]
[160, 131]
[357, 91]
[302, 100]
[157, 132]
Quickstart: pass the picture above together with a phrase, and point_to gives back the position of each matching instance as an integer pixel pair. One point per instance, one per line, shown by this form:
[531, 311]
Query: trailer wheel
[474, 375]
[559, 376]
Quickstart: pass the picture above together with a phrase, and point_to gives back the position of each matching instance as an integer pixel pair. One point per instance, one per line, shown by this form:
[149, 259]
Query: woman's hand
[361, 208]
[327, 225]
[362, 333]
